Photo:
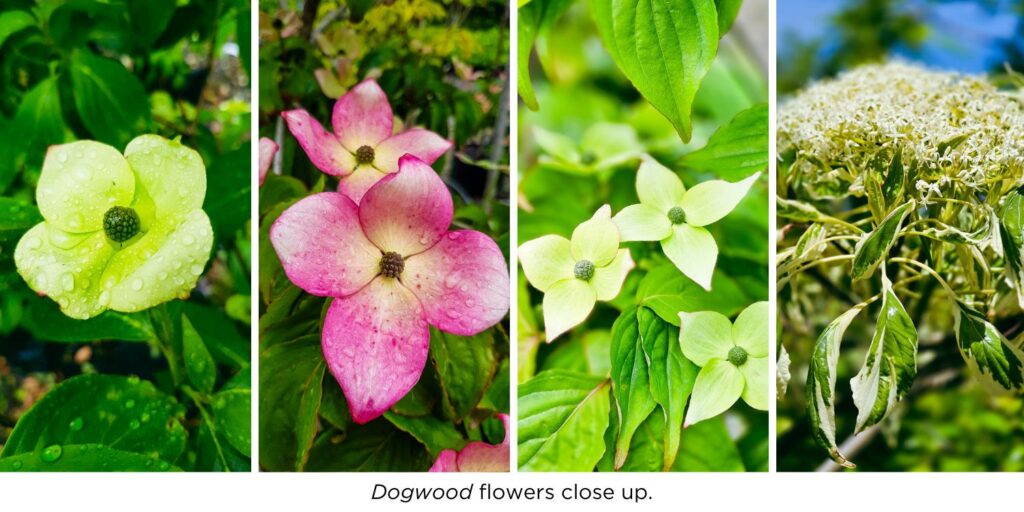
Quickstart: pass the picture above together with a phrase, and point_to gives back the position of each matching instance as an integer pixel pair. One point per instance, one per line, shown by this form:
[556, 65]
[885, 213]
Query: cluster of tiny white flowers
[846, 121]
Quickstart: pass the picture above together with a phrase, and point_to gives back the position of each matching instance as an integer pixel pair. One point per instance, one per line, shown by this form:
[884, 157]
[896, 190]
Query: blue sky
[963, 35]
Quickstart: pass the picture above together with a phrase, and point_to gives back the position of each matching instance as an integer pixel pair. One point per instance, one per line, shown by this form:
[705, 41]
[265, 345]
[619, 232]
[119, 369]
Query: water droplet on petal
[136, 284]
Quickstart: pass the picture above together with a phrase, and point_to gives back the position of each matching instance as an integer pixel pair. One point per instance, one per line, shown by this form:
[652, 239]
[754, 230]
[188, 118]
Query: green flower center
[584, 270]
[392, 264]
[677, 215]
[588, 158]
[737, 356]
[121, 224]
[364, 155]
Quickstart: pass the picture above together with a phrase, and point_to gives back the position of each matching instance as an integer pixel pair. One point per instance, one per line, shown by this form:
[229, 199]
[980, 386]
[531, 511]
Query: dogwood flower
[476, 457]
[733, 358]
[575, 274]
[394, 270]
[676, 217]
[363, 148]
[119, 232]
[268, 149]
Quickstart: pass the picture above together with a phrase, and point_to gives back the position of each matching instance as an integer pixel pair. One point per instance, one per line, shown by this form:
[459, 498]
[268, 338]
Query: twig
[279, 140]
[308, 17]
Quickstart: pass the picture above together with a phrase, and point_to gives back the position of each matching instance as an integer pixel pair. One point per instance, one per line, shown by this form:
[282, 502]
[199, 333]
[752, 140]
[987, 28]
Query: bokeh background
[948, 423]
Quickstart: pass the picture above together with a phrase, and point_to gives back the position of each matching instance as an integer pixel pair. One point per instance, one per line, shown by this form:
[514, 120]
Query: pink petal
[356, 184]
[323, 149]
[476, 456]
[322, 248]
[362, 117]
[462, 282]
[268, 149]
[423, 144]
[447, 462]
[376, 343]
[409, 211]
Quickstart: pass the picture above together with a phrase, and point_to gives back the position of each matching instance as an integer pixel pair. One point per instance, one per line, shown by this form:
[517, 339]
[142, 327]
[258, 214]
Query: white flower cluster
[846, 121]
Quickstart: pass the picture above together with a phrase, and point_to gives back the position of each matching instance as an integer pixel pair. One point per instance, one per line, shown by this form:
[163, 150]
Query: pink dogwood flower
[476, 457]
[363, 148]
[394, 270]
[268, 149]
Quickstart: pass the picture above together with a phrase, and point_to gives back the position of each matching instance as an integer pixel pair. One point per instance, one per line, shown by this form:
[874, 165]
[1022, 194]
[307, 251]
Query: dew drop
[16, 465]
[62, 156]
[76, 424]
[188, 240]
[51, 453]
[68, 282]
[104, 298]
[134, 425]
[129, 404]
[162, 276]
[136, 284]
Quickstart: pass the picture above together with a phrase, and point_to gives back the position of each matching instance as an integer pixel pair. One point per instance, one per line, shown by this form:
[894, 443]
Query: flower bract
[733, 358]
[476, 457]
[120, 232]
[575, 274]
[394, 269]
[677, 217]
[363, 148]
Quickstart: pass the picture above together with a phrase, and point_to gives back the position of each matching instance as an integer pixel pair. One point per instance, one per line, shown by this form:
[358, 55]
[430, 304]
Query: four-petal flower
[733, 357]
[676, 217]
[363, 148]
[394, 269]
[575, 274]
[120, 232]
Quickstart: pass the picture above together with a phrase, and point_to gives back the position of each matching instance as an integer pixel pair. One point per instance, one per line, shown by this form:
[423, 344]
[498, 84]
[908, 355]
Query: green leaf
[12, 22]
[291, 376]
[737, 149]
[727, 12]
[199, 364]
[535, 22]
[667, 292]
[589, 352]
[334, 407]
[148, 19]
[821, 385]
[874, 246]
[647, 450]
[375, 447]
[672, 377]
[228, 192]
[497, 397]
[891, 363]
[664, 48]
[997, 363]
[797, 210]
[88, 458]
[895, 177]
[122, 413]
[111, 102]
[232, 410]
[465, 366]
[37, 124]
[45, 321]
[435, 434]
[561, 416]
[631, 384]
[16, 218]
[1012, 237]
[706, 446]
[220, 335]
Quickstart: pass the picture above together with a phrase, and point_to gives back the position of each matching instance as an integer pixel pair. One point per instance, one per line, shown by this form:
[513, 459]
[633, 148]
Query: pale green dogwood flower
[119, 232]
[575, 274]
[676, 217]
[733, 358]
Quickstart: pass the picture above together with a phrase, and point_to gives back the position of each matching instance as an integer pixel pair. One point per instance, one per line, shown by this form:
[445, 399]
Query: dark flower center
[121, 224]
[364, 155]
[677, 215]
[737, 356]
[392, 264]
[584, 270]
